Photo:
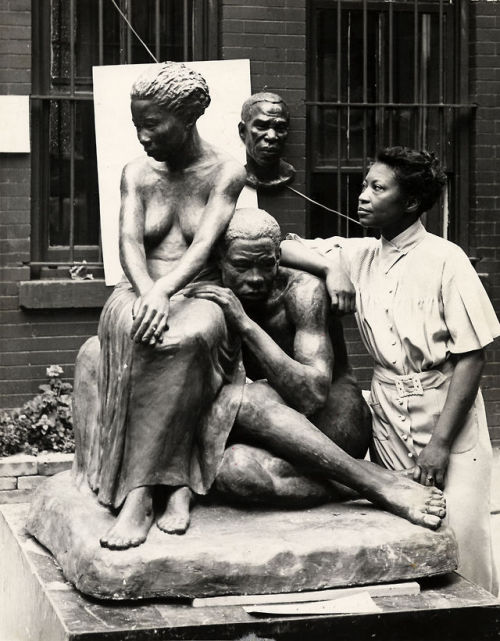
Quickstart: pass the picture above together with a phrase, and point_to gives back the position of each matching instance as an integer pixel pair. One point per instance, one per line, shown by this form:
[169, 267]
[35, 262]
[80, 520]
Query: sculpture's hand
[432, 464]
[150, 313]
[233, 310]
[341, 291]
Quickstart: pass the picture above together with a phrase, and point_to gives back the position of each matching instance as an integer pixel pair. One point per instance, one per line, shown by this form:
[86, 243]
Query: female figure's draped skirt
[165, 413]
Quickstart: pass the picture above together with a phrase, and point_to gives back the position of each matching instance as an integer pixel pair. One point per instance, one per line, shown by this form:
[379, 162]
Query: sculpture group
[217, 371]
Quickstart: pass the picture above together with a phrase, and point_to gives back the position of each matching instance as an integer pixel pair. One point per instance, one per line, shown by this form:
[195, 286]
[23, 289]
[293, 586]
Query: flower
[54, 371]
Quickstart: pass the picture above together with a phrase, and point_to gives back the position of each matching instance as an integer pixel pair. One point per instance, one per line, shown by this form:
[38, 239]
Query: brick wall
[29, 342]
[485, 193]
[272, 35]
[20, 474]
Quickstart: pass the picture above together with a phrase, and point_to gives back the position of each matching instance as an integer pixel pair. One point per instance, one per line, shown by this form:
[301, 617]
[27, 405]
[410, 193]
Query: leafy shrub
[44, 423]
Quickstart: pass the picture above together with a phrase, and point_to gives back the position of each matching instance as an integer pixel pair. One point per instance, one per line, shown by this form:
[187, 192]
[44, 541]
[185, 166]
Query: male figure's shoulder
[305, 296]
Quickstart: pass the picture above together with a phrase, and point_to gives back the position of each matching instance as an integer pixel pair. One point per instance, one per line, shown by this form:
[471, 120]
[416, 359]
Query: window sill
[63, 294]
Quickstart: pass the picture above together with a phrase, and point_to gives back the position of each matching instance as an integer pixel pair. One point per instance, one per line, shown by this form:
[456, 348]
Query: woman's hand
[432, 464]
[150, 313]
[341, 291]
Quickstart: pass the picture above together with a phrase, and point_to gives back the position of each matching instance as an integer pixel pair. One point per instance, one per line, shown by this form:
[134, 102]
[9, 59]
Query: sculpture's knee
[88, 356]
[196, 324]
[254, 476]
[85, 402]
[346, 418]
[259, 405]
[241, 476]
[209, 323]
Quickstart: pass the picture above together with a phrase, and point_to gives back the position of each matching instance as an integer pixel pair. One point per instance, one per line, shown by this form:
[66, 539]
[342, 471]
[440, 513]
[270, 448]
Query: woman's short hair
[175, 86]
[418, 173]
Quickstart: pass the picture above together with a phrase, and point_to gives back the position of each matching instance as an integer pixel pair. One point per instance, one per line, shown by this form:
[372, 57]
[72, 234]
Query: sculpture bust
[263, 128]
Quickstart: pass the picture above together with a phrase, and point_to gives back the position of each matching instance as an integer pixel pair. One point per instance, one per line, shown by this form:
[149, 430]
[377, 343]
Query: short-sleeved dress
[418, 302]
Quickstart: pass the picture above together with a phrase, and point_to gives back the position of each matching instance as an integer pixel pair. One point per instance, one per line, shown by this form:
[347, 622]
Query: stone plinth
[236, 551]
[37, 603]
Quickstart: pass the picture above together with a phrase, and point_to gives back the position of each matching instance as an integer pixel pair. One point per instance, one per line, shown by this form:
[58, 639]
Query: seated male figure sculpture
[293, 408]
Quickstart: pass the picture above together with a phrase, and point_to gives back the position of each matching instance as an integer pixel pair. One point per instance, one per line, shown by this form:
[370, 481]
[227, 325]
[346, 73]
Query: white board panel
[116, 140]
[15, 129]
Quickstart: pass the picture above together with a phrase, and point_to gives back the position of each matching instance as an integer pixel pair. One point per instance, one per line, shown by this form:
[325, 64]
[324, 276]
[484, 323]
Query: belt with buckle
[408, 385]
[413, 384]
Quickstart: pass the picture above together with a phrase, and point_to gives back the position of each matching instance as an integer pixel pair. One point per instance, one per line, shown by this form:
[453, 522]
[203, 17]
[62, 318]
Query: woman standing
[425, 319]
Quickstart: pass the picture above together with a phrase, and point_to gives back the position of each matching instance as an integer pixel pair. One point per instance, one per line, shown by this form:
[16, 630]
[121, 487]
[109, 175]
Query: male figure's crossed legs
[303, 465]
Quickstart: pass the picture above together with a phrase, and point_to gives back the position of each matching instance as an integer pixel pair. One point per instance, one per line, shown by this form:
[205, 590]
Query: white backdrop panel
[116, 140]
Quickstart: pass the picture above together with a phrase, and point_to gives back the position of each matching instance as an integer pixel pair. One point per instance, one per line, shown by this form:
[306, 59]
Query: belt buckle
[409, 385]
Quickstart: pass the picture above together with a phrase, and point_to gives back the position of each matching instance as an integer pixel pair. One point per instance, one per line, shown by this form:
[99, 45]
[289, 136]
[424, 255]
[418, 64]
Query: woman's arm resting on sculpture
[432, 463]
[332, 269]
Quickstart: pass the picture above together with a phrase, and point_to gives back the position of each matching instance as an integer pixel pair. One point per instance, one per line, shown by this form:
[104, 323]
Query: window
[69, 37]
[382, 73]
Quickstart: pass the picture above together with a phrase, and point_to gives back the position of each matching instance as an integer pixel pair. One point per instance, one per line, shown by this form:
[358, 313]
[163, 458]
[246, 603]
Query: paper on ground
[357, 603]
[380, 589]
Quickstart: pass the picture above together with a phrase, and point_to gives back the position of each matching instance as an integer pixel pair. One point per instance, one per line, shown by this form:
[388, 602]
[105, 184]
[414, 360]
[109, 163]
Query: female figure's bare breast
[173, 205]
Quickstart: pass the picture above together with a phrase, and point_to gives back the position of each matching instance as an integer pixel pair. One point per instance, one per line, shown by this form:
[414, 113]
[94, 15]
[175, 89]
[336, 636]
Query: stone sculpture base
[37, 603]
[235, 551]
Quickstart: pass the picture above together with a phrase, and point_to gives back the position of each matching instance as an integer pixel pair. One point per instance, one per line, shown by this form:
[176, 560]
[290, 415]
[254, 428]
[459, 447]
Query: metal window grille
[384, 73]
[69, 37]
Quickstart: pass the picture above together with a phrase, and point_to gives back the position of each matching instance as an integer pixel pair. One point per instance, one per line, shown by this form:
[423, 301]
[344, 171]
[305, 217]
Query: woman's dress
[419, 302]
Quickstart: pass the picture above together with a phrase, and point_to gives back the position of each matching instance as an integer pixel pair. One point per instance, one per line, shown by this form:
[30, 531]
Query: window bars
[385, 73]
[69, 38]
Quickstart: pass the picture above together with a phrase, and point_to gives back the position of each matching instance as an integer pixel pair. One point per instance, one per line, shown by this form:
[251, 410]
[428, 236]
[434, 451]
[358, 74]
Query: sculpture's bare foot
[176, 517]
[132, 523]
[416, 503]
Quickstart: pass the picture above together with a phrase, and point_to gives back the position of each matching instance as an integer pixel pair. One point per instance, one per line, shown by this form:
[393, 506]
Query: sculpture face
[249, 267]
[265, 132]
[161, 132]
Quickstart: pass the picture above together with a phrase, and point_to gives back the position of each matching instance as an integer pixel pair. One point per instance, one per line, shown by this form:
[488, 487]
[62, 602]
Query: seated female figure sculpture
[165, 361]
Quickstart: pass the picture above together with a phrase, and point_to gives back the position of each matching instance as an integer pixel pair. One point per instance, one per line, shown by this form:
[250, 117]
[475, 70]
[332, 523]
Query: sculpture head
[263, 128]
[166, 102]
[249, 254]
